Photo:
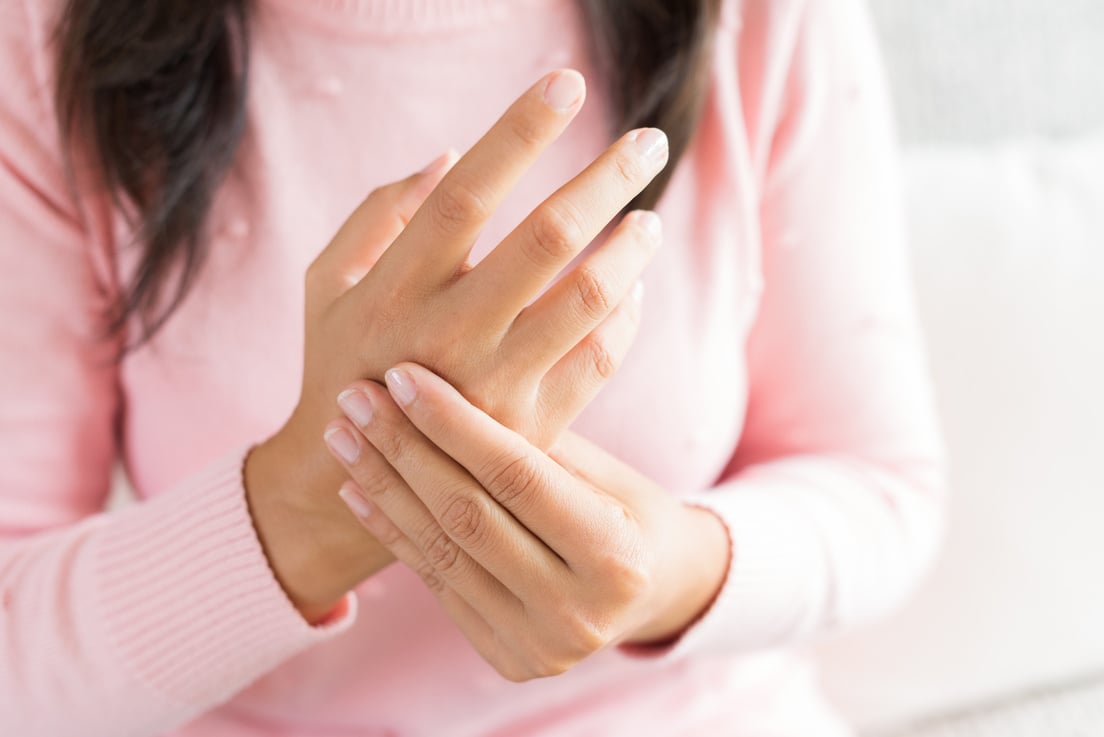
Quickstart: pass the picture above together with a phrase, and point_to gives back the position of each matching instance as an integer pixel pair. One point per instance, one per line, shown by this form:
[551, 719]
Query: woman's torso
[341, 102]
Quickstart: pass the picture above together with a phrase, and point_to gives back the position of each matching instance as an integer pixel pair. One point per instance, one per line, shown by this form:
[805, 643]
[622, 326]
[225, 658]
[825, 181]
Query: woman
[763, 467]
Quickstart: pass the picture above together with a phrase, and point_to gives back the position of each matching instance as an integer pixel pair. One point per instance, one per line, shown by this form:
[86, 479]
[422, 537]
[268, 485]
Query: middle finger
[436, 242]
[508, 278]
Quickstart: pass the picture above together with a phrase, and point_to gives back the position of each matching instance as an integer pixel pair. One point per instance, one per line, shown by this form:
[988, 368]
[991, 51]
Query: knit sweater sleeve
[129, 622]
[834, 497]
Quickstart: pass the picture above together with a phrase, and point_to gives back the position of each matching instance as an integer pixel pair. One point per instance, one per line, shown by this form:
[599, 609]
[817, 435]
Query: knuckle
[627, 169]
[392, 442]
[587, 638]
[583, 635]
[626, 573]
[592, 293]
[375, 482]
[547, 663]
[515, 480]
[599, 356]
[513, 673]
[458, 205]
[429, 577]
[526, 130]
[544, 655]
[550, 668]
[388, 534]
[553, 236]
[441, 552]
[465, 519]
[620, 558]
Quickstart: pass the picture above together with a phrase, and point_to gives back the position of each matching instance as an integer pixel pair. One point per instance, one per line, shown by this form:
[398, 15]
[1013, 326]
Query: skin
[397, 277]
[540, 559]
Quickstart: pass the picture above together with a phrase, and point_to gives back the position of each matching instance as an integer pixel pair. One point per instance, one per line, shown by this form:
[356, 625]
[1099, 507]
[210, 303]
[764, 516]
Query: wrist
[703, 550]
[316, 550]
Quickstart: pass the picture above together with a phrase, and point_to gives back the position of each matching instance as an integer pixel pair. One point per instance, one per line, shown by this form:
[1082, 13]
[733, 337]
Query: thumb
[371, 229]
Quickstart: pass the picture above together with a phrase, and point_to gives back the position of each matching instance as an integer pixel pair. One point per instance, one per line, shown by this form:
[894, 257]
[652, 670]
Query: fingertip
[342, 441]
[432, 173]
[415, 370]
[401, 385]
[363, 386]
[407, 381]
[564, 90]
[355, 500]
[451, 157]
[648, 221]
[437, 166]
[652, 145]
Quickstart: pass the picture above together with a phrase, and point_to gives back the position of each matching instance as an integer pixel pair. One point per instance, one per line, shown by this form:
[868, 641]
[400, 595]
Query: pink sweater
[778, 378]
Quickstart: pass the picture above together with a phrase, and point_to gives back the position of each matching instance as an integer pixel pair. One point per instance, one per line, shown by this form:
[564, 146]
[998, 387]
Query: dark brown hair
[153, 92]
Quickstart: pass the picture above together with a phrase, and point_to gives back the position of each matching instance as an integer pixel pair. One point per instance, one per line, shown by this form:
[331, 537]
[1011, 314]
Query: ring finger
[470, 622]
[583, 299]
[384, 488]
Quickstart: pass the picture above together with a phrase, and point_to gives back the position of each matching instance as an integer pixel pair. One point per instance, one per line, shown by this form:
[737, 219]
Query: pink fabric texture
[779, 380]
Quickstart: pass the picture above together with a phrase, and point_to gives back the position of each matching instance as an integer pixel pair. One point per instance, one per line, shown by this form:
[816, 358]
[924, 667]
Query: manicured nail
[356, 405]
[564, 90]
[401, 385]
[355, 501]
[438, 165]
[342, 442]
[638, 293]
[651, 223]
[652, 144]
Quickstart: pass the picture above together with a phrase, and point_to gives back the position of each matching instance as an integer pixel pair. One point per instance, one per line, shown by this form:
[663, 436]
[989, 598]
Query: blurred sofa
[1001, 109]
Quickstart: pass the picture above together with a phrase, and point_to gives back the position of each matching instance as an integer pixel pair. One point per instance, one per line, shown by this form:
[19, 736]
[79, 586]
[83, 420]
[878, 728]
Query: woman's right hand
[395, 285]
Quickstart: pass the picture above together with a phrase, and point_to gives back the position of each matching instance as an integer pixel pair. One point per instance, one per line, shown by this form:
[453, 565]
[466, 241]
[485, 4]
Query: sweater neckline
[396, 17]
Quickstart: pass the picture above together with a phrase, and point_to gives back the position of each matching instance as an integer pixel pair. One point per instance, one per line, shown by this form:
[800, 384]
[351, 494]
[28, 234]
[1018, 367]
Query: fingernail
[651, 223]
[356, 405]
[564, 90]
[342, 442]
[638, 293]
[355, 501]
[652, 144]
[438, 165]
[401, 385]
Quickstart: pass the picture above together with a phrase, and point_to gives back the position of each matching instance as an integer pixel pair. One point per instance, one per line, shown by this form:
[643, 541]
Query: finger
[386, 489]
[436, 243]
[584, 459]
[509, 277]
[568, 518]
[470, 622]
[573, 382]
[371, 228]
[575, 305]
[461, 508]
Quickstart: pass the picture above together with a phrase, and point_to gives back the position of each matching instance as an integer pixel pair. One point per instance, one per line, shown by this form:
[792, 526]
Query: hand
[540, 561]
[532, 366]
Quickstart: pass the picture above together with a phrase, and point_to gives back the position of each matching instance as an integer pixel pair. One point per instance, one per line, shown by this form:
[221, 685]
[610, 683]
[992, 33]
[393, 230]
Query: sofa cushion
[1009, 265]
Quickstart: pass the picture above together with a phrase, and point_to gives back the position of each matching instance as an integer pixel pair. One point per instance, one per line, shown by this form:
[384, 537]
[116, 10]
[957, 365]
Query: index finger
[439, 237]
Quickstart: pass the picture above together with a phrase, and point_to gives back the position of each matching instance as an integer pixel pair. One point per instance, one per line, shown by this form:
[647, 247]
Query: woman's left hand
[541, 560]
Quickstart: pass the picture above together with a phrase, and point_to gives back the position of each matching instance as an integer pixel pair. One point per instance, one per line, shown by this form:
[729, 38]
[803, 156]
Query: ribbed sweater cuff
[187, 596]
[776, 580]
